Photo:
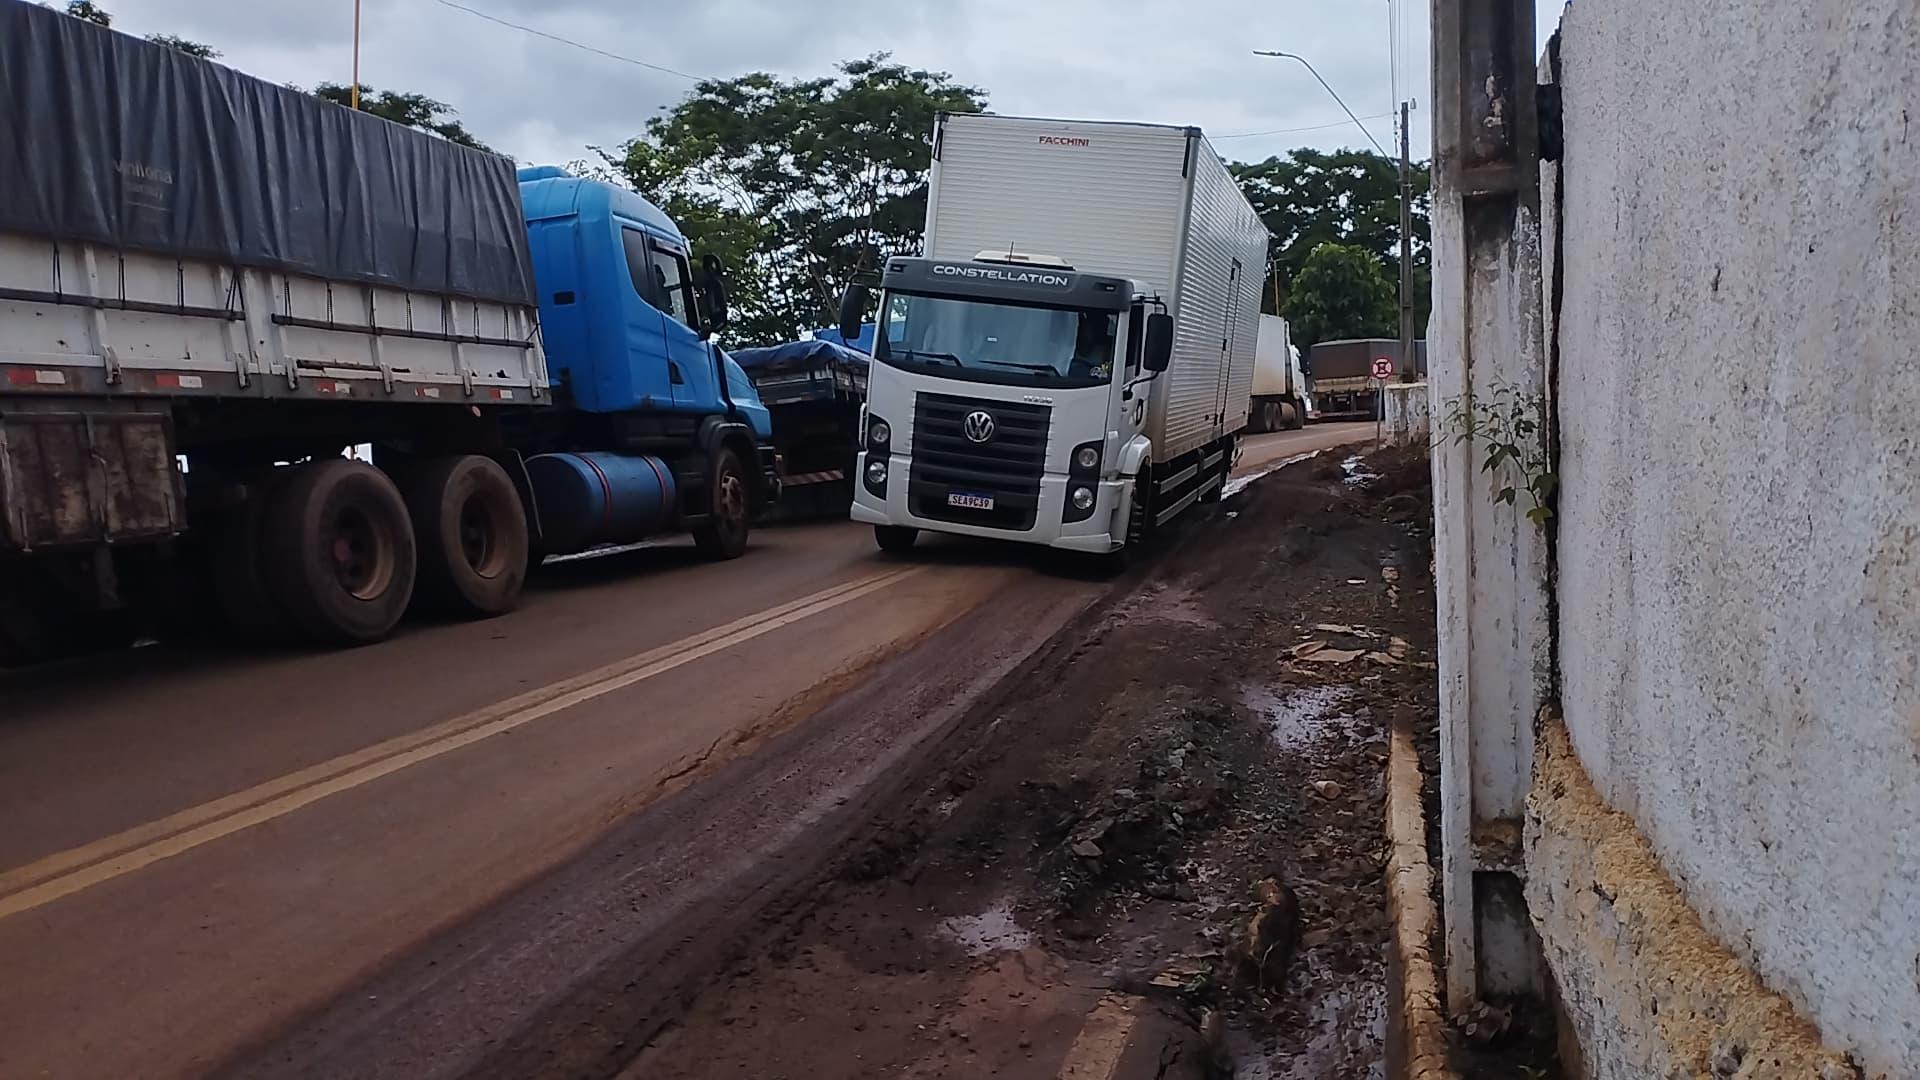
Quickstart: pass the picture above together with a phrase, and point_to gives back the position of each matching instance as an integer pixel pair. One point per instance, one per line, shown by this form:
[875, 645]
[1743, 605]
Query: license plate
[966, 500]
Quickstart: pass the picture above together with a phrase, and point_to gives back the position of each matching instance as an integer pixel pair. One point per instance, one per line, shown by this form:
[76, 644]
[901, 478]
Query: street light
[1408, 367]
[1336, 97]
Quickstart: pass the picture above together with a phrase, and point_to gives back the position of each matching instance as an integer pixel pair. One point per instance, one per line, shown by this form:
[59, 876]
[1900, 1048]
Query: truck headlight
[879, 433]
[1082, 499]
[876, 473]
[1086, 458]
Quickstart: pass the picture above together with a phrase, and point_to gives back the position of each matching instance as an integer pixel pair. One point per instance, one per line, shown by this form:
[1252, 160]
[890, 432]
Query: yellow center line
[64, 873]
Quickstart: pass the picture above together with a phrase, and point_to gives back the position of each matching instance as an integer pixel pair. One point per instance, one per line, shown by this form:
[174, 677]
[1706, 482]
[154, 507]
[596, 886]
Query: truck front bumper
[1098, 533]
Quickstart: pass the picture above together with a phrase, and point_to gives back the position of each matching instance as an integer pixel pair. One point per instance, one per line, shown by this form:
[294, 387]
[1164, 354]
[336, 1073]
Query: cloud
[539, 100]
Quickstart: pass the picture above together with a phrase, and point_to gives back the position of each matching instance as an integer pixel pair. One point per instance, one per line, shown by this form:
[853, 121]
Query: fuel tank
[588, 499]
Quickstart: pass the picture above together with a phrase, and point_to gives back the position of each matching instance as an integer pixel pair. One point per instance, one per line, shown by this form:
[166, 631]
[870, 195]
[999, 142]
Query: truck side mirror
[853, 308]
[713, 283]
[1158, 351]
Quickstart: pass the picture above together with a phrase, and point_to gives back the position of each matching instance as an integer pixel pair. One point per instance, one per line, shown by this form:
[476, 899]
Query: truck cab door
[689, 362]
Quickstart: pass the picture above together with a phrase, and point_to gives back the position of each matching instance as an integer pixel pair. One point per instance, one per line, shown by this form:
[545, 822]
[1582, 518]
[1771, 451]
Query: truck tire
[895, 539]
[470, 531]
[729, 512]
[339, 552]
[1290, 416]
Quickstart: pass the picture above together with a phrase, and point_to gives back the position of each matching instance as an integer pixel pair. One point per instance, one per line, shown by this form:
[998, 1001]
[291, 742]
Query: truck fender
[716, 432]
[1137, 450]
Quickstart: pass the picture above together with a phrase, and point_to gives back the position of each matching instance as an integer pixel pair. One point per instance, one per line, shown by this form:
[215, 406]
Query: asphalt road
[203, 851]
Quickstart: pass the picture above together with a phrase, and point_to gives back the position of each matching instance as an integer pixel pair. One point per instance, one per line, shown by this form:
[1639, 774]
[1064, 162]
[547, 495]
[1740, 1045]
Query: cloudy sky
[540, 100]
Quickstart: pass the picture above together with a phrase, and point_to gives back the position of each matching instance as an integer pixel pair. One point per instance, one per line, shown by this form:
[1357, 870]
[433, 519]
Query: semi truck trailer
[1280, 399]
[212, 286]
[1340, 373]
[813, 389]
[1069, 364]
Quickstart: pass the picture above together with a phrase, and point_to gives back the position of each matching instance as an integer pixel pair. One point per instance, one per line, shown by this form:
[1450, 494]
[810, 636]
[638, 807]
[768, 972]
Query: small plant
[1511, 428]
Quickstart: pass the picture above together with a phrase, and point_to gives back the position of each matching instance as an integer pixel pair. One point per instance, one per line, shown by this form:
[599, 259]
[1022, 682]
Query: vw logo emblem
[978, 426]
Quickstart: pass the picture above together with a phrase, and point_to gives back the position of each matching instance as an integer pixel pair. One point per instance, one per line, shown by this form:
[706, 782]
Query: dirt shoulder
[1159, 854]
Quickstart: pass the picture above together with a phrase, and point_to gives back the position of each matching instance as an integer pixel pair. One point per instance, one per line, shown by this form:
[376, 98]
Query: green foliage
[410, 110]
[1341, 292]
[88, 10]
[180, 44]
[1309, 198]
[797, 185]
[1510, 430]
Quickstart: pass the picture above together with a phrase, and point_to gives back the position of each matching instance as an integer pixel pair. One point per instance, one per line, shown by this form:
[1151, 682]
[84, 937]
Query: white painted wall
[1739, 539]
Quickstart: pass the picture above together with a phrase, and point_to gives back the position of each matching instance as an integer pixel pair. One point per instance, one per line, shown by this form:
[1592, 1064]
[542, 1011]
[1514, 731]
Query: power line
[569, 41]
[1296, 131]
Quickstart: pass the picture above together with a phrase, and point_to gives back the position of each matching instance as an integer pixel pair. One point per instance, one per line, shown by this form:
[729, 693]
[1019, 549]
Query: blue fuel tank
[600, 498]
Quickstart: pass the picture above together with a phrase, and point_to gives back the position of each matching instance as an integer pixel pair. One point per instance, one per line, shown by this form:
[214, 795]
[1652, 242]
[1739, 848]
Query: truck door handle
[673, 373]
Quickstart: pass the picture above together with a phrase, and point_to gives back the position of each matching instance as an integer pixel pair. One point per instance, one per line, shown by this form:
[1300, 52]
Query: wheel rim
[732, 500]
[361, 554]
[479, 537]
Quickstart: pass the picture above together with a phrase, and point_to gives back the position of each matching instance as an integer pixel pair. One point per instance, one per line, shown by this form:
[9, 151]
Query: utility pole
[353, 95]
[1409, 370]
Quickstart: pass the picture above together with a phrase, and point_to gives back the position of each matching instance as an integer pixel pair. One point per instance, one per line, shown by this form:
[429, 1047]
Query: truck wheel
[1290, 417]
[895, 539]
[339, 555]
[724, 534]
[471, 533]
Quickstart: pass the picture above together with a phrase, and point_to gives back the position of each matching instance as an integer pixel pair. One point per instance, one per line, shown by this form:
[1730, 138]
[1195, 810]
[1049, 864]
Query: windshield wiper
[1038, 369]
[909, 354]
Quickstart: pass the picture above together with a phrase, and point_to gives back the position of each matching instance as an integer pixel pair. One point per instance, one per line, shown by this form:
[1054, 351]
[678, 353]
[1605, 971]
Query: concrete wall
[1739, 531]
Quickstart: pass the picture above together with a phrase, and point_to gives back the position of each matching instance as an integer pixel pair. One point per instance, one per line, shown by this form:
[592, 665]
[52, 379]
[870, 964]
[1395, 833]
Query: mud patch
[1172, 830]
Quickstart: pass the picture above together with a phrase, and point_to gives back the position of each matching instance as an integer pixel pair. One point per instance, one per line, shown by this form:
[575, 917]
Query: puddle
[1346, 1031]
[993, 930]
[1358, 475]
[1298, 715]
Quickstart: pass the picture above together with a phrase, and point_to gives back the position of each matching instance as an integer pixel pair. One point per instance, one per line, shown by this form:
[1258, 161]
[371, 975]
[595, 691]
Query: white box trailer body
[1279, 386]
[1147, 202]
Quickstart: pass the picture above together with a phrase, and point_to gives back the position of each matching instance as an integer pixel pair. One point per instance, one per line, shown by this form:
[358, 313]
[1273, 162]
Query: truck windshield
[994, 342]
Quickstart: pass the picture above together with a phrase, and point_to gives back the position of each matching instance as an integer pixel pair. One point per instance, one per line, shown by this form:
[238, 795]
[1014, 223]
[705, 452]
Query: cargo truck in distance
[1280, 401]
[1069, 364]
[212, 286]
[1340, 374]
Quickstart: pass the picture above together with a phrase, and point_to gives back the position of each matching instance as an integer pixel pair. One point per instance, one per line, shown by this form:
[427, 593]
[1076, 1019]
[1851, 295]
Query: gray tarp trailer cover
[110, 140]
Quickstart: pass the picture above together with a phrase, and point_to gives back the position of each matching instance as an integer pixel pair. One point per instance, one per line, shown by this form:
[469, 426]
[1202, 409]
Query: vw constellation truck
[1070, 362]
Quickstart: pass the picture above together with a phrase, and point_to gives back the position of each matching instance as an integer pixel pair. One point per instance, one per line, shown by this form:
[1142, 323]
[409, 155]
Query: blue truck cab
[647, 404]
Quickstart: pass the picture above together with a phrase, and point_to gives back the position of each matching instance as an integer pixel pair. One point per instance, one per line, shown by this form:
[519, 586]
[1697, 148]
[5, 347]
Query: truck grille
[1008, 466]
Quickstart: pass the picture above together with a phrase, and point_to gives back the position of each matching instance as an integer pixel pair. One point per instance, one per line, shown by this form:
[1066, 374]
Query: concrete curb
[1418, 1040]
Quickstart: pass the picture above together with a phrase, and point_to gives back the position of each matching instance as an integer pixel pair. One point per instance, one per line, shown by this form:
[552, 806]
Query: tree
[99, 16]
[797, 185]
[180, 44]
[86, 9]
[409, 110]
[1310, 198]
[1341, 292]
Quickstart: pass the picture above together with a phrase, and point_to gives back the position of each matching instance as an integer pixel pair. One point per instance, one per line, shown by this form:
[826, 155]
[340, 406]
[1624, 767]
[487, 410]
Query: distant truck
[1070, 363]
[1280, 401]
[1340, 373]
[211, 286]
[813, 390]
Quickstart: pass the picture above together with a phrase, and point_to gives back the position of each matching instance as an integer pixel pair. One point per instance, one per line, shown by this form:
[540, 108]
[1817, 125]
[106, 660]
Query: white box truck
[1280, 401]
[1069, 363]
